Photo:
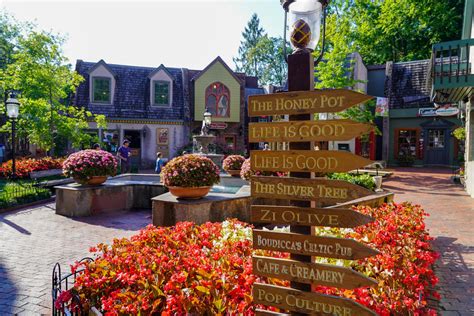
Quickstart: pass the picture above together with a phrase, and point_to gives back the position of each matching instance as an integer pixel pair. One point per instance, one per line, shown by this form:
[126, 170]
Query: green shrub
[20, 192]
[364, 180]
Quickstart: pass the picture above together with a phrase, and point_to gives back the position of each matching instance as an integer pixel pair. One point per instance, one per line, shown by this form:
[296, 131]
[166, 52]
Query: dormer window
[161, 93]
[101, 90]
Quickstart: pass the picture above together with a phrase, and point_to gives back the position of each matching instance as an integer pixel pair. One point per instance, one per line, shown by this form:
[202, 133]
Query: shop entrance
[437, 138]
[135, 139]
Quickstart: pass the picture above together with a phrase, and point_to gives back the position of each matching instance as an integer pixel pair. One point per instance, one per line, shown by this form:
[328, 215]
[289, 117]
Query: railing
[451, 62]
[21, 193]
[64, 283]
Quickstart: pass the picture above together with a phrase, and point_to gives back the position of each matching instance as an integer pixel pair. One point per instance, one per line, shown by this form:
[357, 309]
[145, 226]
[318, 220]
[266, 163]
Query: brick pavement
[33, 240]
[451, 223]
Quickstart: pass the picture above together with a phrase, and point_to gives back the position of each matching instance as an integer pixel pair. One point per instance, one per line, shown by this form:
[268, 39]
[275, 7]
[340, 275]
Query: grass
[20, 192]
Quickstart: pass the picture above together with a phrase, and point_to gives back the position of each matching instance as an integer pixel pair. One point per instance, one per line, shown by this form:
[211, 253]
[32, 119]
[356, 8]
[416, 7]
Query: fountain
[201, 142]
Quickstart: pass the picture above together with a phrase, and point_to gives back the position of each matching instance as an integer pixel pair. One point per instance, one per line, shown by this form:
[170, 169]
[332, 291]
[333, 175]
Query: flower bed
[364, 180]
[190, 171]
[207, 269]
[89, 163]
[25, 166]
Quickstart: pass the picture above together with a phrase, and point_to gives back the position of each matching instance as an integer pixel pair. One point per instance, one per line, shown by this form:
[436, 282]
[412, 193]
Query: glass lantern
[13, 107]
[207, 117]
[304, 22]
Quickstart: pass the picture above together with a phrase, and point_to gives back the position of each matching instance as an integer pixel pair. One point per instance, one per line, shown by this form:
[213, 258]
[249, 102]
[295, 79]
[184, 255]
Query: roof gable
[217, 60]
[161, 68]
[104, 64]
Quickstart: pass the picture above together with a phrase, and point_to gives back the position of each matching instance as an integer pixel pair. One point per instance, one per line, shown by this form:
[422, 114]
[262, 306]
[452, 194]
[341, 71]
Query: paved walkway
[32, 241]
[451, 223]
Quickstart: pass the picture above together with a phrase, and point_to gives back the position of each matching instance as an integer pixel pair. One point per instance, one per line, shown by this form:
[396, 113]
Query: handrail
[439, 46]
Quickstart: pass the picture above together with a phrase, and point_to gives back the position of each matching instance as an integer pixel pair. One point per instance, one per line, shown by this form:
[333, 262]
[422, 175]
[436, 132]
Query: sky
[176, 33]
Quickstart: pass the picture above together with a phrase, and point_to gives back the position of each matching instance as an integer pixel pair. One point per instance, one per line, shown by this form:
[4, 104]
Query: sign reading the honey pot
[320, 190]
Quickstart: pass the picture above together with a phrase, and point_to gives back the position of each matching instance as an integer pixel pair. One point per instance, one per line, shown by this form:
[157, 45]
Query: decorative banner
[305, 102]
[310, 273]
[329, 247]
[162, 136]
[319, 189]
[302, 216]
[307, 302]
[306, 161]
[304, 131]
[381, 107]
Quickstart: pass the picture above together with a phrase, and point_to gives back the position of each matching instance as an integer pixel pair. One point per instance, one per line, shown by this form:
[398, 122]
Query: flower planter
[95, 180]
[189, 193]
[234, 173]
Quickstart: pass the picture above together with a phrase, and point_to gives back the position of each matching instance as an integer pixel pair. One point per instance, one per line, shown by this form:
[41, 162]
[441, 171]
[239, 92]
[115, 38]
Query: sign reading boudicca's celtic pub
[322, 191]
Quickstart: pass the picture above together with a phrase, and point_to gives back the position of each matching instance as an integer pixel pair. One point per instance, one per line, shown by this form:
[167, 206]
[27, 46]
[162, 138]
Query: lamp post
[304, 19]
[13, 109]
[206, 123]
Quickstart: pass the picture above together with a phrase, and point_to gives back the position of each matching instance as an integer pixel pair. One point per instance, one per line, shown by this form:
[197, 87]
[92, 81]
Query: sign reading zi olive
[310, 273]
[307, 302]
[303, 216]
[320, 189]
[328, 247]
[306, 161]
[305, 102]
[305, 131]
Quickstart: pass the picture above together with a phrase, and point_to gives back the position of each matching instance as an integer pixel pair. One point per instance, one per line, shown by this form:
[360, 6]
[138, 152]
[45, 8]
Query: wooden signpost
[303, 216]
[319, 189]
[308, 161]
[303, 131]
[305, 102]
[306, 302]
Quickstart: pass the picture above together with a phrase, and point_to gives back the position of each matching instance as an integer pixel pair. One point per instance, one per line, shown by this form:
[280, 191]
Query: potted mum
[233, 164]
[90, 167]
[190, 176]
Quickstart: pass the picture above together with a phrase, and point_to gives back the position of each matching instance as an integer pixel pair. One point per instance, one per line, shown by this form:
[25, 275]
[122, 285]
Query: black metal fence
[62, 283]
[21, 192]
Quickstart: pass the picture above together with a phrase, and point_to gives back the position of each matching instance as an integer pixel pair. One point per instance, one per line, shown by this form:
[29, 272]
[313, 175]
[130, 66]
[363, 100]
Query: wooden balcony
[451, 70]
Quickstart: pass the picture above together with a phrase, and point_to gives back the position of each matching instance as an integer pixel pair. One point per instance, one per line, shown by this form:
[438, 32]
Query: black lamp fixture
[13, 111]
[304, 18]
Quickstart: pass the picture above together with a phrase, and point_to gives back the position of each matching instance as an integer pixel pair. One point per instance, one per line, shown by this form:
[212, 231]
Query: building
[452, 83]
[159, 109]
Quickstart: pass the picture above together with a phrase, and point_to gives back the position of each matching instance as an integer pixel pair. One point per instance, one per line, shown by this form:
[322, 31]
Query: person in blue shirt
[159, 163]
[124, 155]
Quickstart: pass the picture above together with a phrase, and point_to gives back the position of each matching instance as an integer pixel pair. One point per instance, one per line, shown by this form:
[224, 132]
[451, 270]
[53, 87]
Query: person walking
[2, 153]
[124, 155]
[159, 163]
[96, 146]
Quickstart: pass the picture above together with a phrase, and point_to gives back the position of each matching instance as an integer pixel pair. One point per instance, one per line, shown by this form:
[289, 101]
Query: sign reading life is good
[319, 189]
[306, 161]
[305, 102]
[304, 131]
[309, 303]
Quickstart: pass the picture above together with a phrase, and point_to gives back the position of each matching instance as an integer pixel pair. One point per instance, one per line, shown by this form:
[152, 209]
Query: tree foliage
[37, 67]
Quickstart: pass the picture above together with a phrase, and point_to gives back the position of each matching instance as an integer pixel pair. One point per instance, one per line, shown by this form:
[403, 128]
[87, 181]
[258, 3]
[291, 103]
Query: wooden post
[301, 78]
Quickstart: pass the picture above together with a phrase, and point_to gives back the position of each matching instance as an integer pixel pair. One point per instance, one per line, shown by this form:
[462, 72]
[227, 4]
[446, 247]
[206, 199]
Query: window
[407, 142]
[218, 100]
[436, 139]
[161, 95]
[101, 87]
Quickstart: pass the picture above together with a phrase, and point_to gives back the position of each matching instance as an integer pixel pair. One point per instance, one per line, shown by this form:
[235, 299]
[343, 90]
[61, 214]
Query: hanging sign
[307, 302]
[218, 125]
[310, 273]
[303, 216]
[304, 131]
[381, 107]
[301, 102]
[328, 247]
[450, 111]
[319, 189]
[306, 161]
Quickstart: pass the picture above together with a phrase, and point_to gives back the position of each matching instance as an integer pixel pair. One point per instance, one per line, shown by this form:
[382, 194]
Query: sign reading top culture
[301, 102]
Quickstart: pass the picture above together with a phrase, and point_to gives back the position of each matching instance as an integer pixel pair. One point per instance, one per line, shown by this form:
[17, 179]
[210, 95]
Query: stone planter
[189, 193]
[234, 173]
[95, 180]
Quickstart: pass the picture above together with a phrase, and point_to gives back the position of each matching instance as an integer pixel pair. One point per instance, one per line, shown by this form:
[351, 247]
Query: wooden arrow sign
[329, 247]
[305, 102]
[306, 161]
[305, 131]
[261, 312]
[302, 216]
[318, 189]
[310, 273]
[374, 200]
[307, 302]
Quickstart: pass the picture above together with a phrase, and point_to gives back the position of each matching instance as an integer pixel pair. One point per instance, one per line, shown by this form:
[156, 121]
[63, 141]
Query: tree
[38, 69]
[251, 35]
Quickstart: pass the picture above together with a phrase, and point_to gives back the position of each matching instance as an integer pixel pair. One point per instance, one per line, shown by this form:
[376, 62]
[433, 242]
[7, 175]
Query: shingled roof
[405, 85]
[132, 93]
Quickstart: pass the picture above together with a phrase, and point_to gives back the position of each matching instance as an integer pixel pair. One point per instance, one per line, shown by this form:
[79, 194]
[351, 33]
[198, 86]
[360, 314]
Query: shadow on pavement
[8, 292]
[125, 220]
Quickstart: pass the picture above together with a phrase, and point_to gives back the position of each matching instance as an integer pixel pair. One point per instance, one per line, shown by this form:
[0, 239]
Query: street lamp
[13, 110]
[206, 122]
[304, 19]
